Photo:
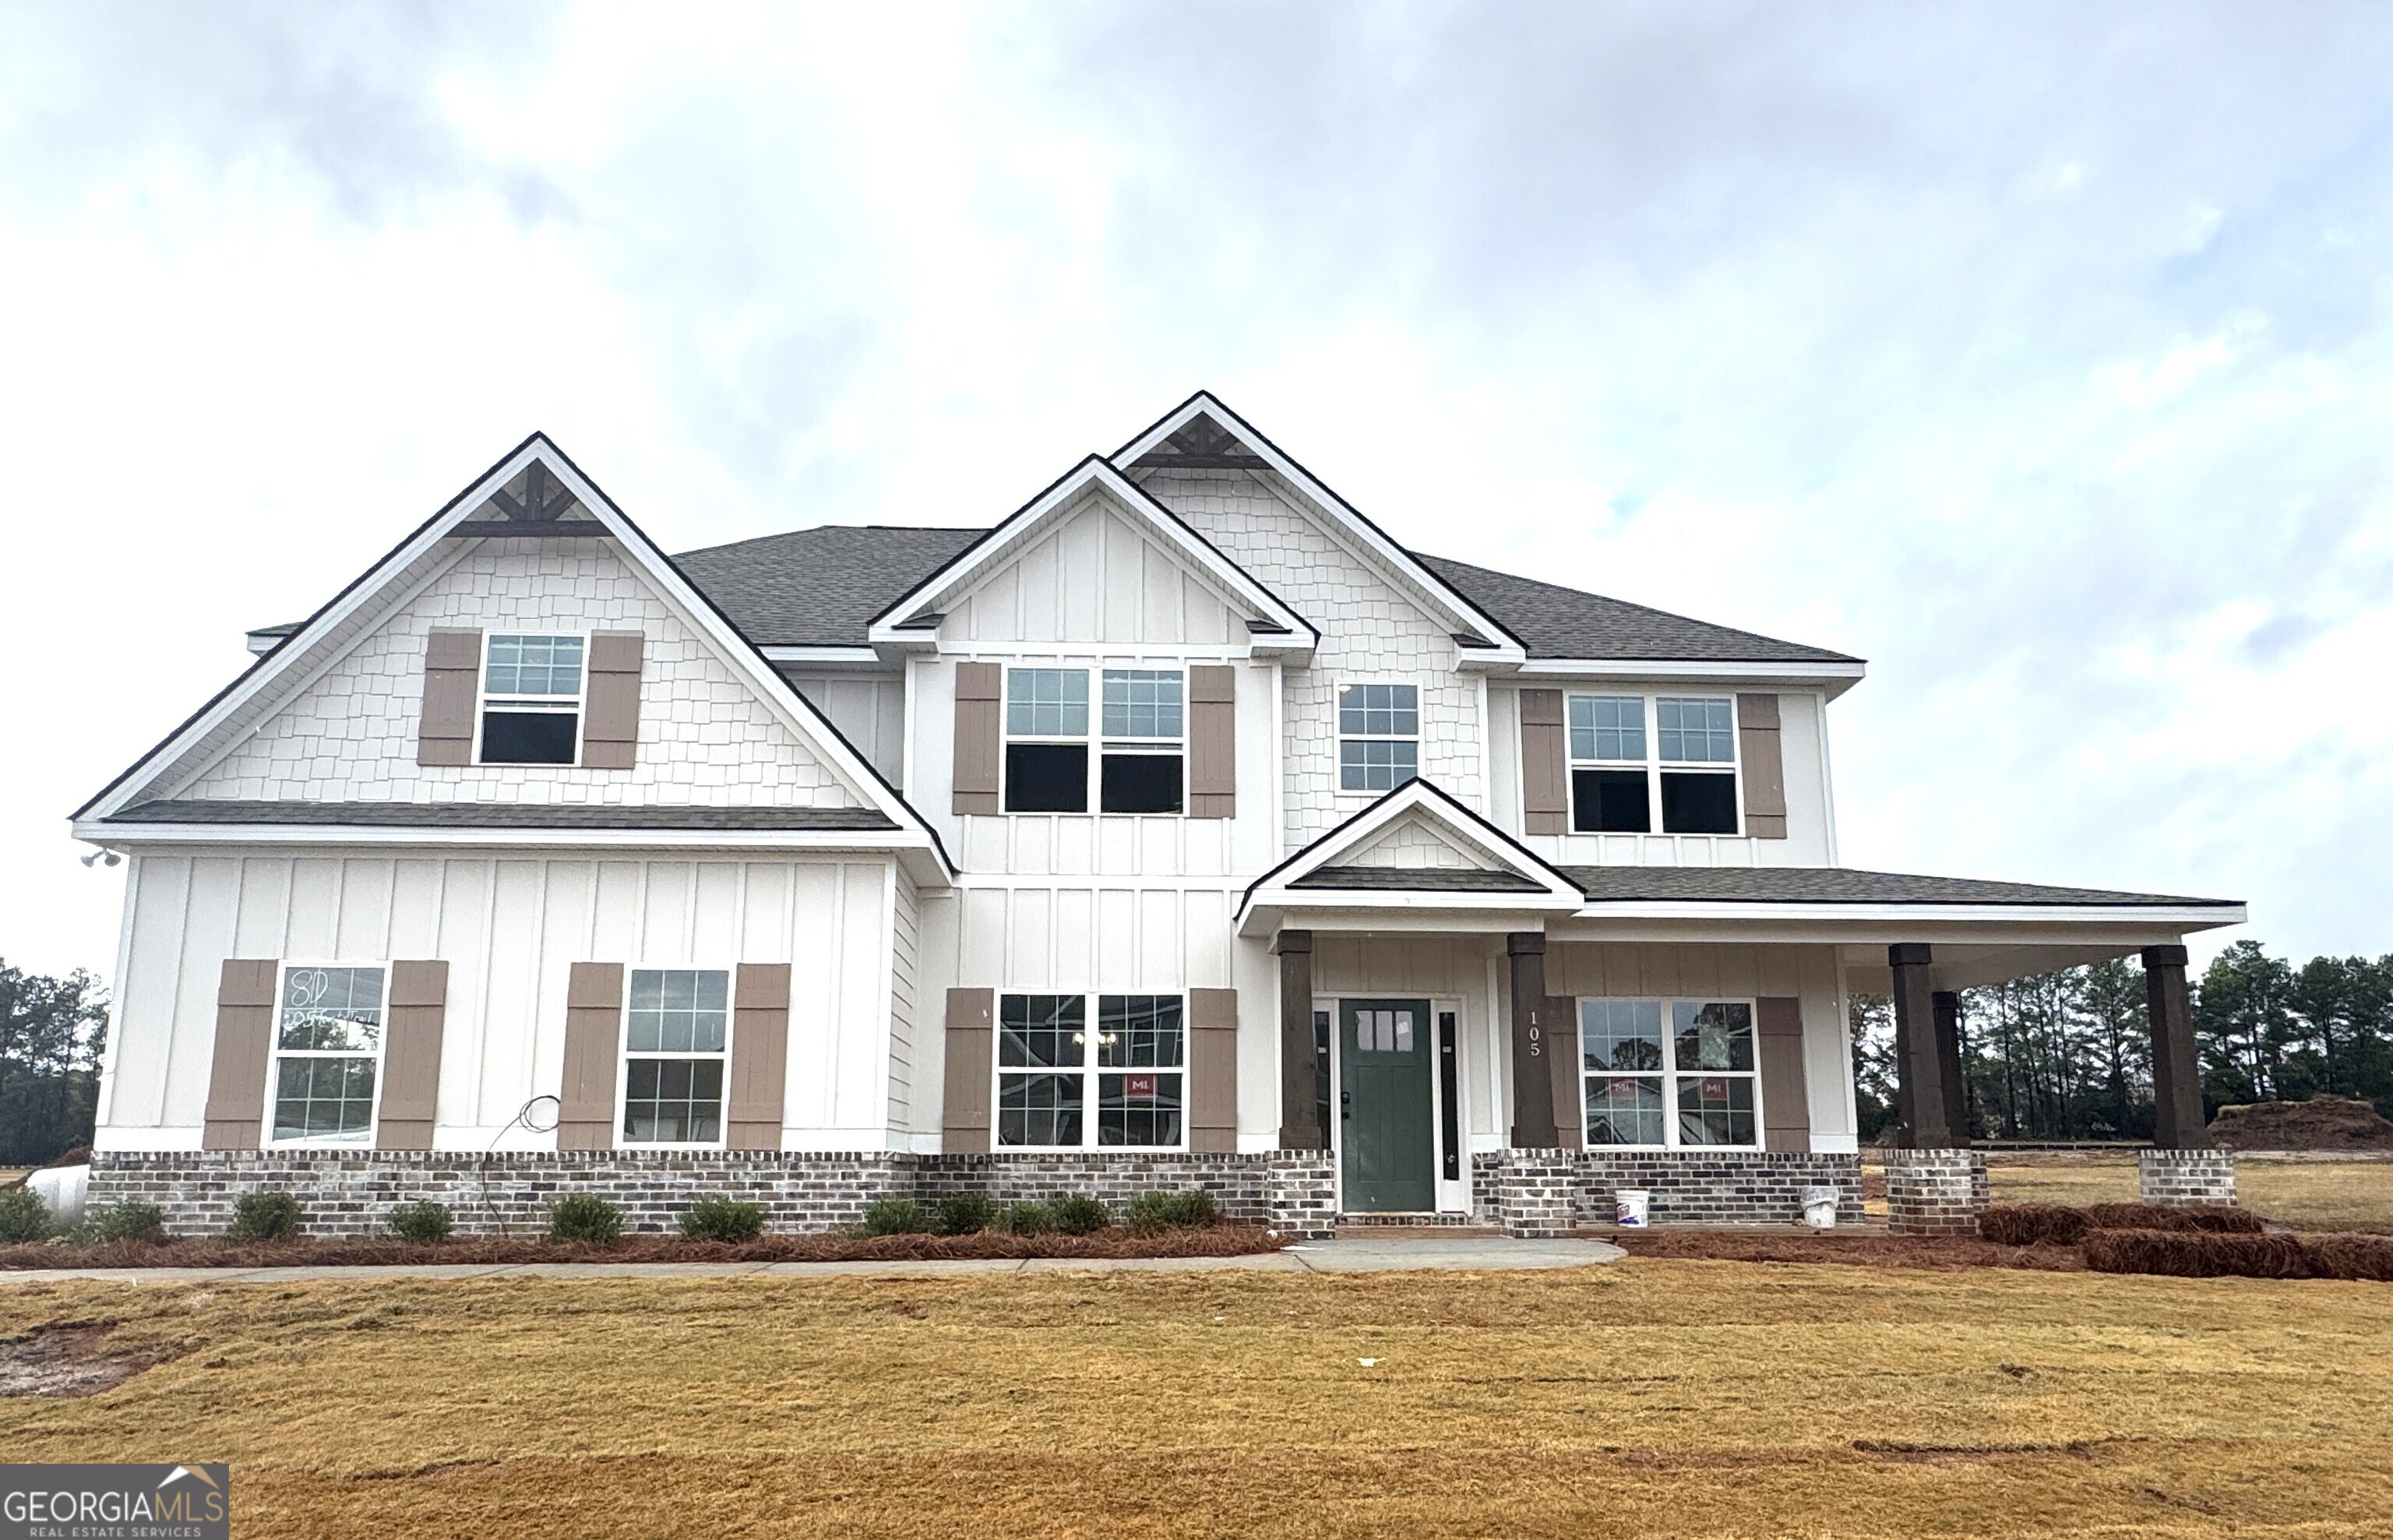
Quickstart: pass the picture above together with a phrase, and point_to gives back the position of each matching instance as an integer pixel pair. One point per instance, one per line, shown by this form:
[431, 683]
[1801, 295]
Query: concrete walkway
[1356, 1254]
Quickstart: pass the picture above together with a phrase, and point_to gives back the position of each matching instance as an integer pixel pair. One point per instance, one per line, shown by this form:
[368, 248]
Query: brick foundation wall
[1934, 1191]
[2186, 1176]
[351, 1193]
[1550, 1191]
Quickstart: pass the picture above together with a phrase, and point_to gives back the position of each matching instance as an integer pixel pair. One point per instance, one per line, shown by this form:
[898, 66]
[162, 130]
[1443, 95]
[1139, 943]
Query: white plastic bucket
[1631, 1206]
[1820, 1207]
[61, 1190]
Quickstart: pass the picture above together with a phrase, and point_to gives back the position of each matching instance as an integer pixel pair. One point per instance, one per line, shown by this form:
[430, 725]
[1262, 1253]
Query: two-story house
[1182, 828]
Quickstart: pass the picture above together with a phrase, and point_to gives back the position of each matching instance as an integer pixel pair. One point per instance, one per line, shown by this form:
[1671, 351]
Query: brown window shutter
[1545, 765]
[610, 721]
[594, 1030]
[452, 670]
[1765, 771]
[1562, 1042]
[1213, 1071]
[1213, 742]
[760, 1055]
[236, 1111]
[964, 1121]
[410, 1055]
[1785, 1105]
[979, 739]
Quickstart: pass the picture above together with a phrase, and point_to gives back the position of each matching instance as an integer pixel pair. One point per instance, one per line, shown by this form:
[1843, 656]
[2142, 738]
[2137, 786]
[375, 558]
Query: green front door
[1384, 1138]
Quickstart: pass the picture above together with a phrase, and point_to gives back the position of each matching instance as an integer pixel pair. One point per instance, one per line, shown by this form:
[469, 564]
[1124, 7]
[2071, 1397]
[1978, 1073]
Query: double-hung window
[531, 699]
[328, 1040]
[1142, 737]
[1379, 736]
[676, 1043]
[1669, 1073]
[1066, 1083]
[1689, 774]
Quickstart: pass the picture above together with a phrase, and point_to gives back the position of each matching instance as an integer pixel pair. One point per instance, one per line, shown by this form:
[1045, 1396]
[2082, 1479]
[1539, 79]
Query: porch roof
[1846, 885]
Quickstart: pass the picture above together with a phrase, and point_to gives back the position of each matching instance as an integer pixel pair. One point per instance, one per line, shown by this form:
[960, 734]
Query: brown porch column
[1532, 1063]
[1300, 1121]
[1920, 1075]
[2177, 1069]
[1947, 1005]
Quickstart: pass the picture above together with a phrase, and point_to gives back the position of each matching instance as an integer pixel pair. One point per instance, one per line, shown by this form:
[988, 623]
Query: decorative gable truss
[362, 724]
[1416, 848]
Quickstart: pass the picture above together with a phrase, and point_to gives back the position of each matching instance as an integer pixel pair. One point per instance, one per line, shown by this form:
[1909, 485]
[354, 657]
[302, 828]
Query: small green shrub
[426, 1224]
[584, 1217]
[896, 1217]
[23, 1216]
[966, 1213]
[722, 1219]
[1152, 1212]
[1027, 1219]
[1078, 1214]
[267, 1216]
[122, 1221]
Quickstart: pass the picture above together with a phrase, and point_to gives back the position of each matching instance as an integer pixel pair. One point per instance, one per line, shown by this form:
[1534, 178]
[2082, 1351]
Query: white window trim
[482, 697]
[1340, 737]
[1094, 741]
[275, 1053]
[1654, 764]
[1670, 1073]
[623, 1055]
[1088, 1070]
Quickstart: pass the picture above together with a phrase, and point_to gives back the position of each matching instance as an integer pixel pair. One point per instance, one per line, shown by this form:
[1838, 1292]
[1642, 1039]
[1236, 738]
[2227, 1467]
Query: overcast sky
[2038, 354]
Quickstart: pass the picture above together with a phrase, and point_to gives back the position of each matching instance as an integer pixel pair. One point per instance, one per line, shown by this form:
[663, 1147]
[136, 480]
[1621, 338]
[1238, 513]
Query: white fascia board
[1308, 913]
[1834, 678]
[890, 628]
[809, 656]
[1508, 651]
[1853, 922]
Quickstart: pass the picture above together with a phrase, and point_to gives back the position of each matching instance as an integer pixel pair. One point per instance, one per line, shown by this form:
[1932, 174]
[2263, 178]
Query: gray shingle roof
[1552, 621]
[1838, 885]
[506, 815]
[823, 586]
[1417, 880]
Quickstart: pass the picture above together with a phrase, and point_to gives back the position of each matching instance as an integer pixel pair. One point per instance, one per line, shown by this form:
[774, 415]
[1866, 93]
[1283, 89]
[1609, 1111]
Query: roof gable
[1415, 847]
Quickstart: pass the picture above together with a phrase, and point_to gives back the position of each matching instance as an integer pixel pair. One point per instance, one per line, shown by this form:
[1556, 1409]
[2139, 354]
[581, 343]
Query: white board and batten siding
[868, 708]
[511, 929]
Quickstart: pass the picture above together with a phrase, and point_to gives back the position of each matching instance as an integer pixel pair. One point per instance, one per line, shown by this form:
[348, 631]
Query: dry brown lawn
[1654, 1397]
[2322, 1194]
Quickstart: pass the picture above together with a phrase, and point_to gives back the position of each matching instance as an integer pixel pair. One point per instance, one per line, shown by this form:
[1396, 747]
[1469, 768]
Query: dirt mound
[2321, 1123]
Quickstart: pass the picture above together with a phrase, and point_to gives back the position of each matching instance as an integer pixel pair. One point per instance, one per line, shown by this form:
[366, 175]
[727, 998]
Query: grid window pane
[672, 1100]
[331, 1009]
[327, 1096]
[1607, 727]
[1695, 730]
[1621, 1034]
[1039, 1031]
[1142, 703]
[1715, 1109]
[1711, 1036]
[1140, 1031]
[1385, 710]
[1624, 1110]
[677, 1010]
[1039, 1109]
[1046, 702]
[533, 665]
[1138, 1109]
[1376, 764]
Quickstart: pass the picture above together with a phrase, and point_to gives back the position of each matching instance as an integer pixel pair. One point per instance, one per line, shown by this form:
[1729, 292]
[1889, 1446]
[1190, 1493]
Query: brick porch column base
[1300, 1195]
[1538, 1193]
[1934, 1191]
[2186, 1176]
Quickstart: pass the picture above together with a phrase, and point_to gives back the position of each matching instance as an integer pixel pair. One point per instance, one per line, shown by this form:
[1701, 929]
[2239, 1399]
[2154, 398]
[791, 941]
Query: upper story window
[676, 1043]
[1645, 1059]
[1379, 737]
[531, 699]
[1142, 758]
[1062, 1086]
[1690, 775]
[328, 1038]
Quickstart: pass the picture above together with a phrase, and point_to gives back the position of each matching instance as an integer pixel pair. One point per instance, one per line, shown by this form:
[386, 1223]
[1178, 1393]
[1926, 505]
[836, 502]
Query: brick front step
[1383, 1219]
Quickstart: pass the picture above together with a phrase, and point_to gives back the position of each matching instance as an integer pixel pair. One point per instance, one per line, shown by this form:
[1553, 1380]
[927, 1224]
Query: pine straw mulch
[1848, 1248]
[1212, 1240]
